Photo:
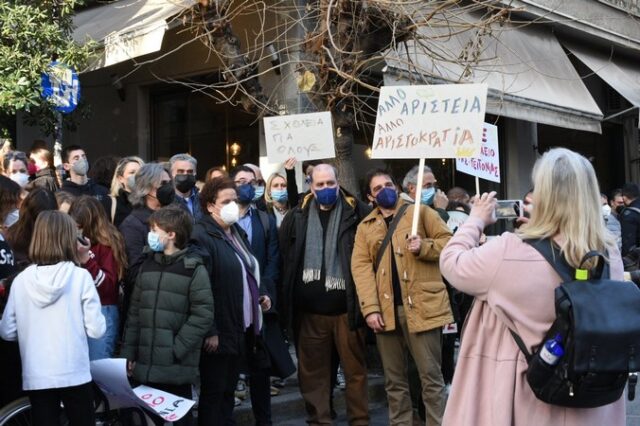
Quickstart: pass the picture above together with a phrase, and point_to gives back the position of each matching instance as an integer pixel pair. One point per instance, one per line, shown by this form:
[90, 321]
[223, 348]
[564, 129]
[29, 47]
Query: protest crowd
[203, 286]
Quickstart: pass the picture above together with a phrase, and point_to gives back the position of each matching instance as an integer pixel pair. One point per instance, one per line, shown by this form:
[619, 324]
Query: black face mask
[165, 194]
[619, 209]
[185, 183]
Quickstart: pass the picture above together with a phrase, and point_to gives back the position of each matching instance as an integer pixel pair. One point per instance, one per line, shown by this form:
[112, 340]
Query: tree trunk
[343, 162]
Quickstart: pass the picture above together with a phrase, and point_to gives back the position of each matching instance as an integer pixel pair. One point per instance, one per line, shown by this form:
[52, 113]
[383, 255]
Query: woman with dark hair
[238, 302]
[102, 170]
[105, 258]
[9, 202]
[19, 235]
[15, 167]
[45, 176]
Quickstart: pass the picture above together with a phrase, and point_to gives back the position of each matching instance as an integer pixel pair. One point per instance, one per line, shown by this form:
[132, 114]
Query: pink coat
[514, 285]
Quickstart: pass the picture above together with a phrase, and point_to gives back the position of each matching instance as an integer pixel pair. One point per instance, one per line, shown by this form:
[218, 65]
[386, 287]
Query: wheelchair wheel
[16, 413]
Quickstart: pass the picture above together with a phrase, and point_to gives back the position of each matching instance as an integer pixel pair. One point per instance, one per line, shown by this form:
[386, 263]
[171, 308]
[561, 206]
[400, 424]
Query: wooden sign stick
[478, 186]
[416, 210]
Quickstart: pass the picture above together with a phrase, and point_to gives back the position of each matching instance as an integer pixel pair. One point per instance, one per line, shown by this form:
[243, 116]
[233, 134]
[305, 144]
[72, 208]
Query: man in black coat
[630, 217]
[319, 297]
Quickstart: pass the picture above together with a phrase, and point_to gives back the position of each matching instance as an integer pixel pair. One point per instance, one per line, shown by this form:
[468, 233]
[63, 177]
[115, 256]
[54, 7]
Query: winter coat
[90, 188]
[424, 295]
[104, 270]
[45, 178]
[293, 232]
[134, 230]
[170, 312]
[630, 224]
[514, 287]
[50, 312]
[226, 276]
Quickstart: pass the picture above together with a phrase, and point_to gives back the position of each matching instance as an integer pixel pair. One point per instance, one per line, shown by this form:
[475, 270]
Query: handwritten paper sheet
[436, 121]
[304, 136]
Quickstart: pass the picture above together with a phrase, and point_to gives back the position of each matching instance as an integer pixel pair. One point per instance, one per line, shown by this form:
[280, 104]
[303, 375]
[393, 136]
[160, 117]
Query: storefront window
[216, 135]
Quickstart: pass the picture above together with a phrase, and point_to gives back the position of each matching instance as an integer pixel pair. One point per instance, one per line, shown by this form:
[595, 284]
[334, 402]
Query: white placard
[437, 121]
[111, 377]
[304, 136]
[487, 165]
[168, 406]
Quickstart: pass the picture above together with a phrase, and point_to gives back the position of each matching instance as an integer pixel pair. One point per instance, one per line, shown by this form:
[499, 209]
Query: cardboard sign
[437, 121]
[487, 165]
[111, 377]
[304, 136]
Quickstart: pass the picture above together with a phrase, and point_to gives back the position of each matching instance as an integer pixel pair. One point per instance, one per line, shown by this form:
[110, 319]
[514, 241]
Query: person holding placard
[320, 305]
[430, 196]
[402, 295]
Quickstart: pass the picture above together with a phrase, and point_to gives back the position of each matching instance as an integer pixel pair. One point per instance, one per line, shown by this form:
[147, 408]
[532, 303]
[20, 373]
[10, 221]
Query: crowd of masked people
[195, 283]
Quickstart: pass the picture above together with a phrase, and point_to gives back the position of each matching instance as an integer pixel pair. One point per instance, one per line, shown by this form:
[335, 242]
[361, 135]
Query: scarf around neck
[319, 250]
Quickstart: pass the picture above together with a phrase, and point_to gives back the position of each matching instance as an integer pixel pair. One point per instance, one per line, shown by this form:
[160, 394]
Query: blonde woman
[53, 307]
[514, 289]
[121, 184]
[276, 197]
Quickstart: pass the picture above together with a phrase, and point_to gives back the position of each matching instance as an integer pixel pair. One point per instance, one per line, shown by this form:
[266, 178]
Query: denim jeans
[103, 347]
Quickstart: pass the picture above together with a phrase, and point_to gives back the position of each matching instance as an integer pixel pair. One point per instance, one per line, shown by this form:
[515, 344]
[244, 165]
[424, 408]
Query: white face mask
[20, 178]
[11, 218]
[230, 213]
[606, 210]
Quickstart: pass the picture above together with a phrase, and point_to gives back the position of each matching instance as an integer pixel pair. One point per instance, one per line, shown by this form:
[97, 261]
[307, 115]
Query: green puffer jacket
[171, 311]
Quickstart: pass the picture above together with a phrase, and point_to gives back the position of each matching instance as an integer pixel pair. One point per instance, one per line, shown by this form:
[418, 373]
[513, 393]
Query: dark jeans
[179, 390]
[77, 400]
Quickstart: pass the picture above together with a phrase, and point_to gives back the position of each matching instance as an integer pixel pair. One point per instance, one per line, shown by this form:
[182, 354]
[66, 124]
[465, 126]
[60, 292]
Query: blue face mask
[259, 192]
[327, 196]
[279, 195]
[245, 192]
[154, 242]
[427, 196]
[387, 198]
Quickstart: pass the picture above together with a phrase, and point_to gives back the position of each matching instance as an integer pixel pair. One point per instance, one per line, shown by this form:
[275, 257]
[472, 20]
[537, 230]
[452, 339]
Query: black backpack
[598, 323]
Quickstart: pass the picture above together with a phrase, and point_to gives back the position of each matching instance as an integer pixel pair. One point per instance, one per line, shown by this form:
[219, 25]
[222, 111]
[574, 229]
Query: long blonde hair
[566, 202]
[122, 164]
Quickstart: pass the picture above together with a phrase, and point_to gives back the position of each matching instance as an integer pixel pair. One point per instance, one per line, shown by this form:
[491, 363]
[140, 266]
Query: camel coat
[513, 285]
[424, 295]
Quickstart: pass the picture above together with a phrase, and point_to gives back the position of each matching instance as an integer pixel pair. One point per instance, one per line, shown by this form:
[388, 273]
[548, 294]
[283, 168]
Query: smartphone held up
[508, 209]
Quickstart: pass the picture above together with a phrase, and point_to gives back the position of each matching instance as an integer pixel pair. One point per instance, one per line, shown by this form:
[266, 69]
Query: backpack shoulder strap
[521, 345]
[546, 249]
[390, 231]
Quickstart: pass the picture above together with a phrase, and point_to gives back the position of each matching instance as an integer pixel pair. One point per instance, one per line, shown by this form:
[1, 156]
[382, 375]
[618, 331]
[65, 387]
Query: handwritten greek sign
[304, 136]
[487, 165]
[438, 121]
[111, 377]
[168, 406]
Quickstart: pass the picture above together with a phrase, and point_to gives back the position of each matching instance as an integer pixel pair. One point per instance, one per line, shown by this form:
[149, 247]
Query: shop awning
[622, 75]
[126, 29]
[528, 73]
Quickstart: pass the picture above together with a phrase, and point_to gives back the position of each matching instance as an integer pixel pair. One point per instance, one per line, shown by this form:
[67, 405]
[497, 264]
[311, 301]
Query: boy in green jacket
[171, 309]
